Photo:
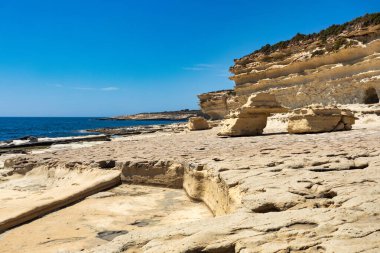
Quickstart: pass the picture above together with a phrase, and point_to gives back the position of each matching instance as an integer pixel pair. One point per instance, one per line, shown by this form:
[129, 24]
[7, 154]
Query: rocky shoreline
[30, 143]
[270, 193]
[136, 130]
[279, 174]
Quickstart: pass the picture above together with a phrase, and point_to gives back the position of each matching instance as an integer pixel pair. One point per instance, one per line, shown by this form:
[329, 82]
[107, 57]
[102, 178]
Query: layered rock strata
[318, 119]
[214, 104]
[339, 65]
[251, 118]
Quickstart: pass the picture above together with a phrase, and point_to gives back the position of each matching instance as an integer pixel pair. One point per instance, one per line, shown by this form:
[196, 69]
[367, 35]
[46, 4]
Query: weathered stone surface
[163, 173]
[269, 193]
[45, 188]
[253, 125]
[310, 69]
[214, 103]
[318, 119]
[262, 103]
[103, 217]
[198, 123]
[251, 118]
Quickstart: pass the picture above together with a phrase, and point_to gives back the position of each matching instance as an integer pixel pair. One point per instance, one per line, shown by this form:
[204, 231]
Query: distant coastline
[165, 116]
[16, 128]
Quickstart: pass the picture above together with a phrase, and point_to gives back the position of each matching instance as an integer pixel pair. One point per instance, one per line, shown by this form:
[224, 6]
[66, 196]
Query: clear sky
[112, 57]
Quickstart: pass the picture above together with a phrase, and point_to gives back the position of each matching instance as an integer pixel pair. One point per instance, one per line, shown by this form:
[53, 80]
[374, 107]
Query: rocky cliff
[338, 65]
[214, 104]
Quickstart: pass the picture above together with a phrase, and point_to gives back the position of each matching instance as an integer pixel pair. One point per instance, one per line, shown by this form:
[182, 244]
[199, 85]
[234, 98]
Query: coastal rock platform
[102, 217]
[271, 193]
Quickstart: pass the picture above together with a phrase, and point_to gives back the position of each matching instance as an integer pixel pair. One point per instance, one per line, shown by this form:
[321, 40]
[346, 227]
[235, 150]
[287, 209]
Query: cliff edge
[338, 65]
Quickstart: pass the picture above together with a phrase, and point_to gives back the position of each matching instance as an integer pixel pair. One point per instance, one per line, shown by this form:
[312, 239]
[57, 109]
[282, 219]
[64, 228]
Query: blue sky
[112, 57]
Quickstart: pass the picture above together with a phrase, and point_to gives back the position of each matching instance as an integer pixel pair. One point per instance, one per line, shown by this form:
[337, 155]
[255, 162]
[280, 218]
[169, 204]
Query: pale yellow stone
[253, 125]
[318, 119]
[198, 123]
[251, 118]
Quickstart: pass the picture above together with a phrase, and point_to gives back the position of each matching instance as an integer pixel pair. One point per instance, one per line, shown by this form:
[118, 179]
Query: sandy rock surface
[102, 217]
[44, 189]
[252, 117]
[198, 123]
[271, 193]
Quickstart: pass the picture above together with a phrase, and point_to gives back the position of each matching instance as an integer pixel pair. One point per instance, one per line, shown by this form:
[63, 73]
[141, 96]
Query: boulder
[198, 123]
[251, 118]
[249, 126]
[318, 119]
[214, 104]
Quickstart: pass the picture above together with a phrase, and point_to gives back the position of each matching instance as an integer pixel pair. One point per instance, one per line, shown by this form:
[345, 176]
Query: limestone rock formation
[339, 65]
[317, 119]
[214, 104]
[251, 118]
[277, 193]
[238, 125]
[198, 123]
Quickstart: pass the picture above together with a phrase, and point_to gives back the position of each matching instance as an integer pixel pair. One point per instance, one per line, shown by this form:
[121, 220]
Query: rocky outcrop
[214, 104]
[198, 123]
[276, 193]
[251, 119]
[318, 119]
[339, 65]
[161, 173]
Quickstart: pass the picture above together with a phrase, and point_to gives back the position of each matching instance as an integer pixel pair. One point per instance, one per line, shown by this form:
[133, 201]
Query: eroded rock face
[338, 68]
[241, 126]
[198, 123]
[318, 119]
[162, 173]
[251, 118]
[214, 104]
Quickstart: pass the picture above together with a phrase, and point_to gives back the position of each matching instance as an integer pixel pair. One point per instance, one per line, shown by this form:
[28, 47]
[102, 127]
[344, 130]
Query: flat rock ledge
[269, 193]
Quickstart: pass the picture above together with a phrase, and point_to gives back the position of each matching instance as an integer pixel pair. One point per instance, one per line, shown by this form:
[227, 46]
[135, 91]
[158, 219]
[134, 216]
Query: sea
[12, 128]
